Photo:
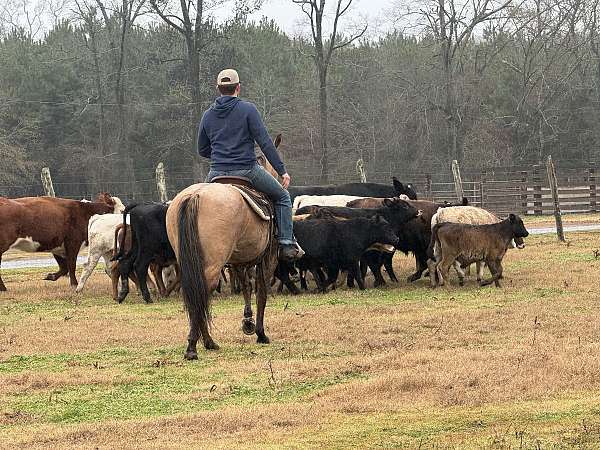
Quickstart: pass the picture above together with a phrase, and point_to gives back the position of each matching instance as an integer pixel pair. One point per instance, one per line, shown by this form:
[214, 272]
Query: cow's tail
[119, 255]
[190, 256]
[432, 241]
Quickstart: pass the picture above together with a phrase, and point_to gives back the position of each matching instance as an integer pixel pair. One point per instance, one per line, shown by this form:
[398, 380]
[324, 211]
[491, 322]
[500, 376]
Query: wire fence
[521, 189]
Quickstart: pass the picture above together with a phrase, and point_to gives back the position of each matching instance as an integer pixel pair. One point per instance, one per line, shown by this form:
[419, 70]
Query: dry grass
[406, 366]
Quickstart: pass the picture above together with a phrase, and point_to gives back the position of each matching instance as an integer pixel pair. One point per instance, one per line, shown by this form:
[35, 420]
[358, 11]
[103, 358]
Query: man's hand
[285, 180]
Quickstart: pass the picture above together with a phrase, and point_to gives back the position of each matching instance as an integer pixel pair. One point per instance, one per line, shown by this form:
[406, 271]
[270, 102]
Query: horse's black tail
[191, 261]
[119, 255]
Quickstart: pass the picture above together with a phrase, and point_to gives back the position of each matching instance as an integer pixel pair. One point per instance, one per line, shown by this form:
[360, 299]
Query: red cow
[48, 224]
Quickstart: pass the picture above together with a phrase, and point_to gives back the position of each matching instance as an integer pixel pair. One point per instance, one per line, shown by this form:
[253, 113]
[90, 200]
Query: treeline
[103, 95]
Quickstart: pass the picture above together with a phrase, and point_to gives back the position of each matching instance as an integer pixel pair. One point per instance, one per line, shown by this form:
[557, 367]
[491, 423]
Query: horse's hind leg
[261, 302]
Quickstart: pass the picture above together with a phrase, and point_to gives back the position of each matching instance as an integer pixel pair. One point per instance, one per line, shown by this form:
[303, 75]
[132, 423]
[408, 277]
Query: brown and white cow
[49, 224]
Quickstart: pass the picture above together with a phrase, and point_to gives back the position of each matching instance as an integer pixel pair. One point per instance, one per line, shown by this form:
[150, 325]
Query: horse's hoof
[248, 326]
[211, 345]
[190, 356]
[262, 339]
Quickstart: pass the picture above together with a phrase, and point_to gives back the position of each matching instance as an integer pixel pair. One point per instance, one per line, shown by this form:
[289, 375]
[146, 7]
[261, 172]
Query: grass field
[402, 366]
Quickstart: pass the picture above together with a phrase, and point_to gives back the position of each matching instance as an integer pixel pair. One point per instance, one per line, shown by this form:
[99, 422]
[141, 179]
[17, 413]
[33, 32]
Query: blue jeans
[265, 183]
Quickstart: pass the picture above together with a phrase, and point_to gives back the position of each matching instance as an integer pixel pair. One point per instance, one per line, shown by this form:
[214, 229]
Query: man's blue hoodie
[227, 133]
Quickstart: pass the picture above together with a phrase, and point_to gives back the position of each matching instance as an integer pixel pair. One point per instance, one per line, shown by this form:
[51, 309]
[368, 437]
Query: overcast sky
[293, 21]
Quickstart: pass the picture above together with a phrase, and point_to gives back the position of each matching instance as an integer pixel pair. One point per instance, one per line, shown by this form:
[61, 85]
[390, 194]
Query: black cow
[357, 189]
[338, 244]
[394, 210]
[149, 243]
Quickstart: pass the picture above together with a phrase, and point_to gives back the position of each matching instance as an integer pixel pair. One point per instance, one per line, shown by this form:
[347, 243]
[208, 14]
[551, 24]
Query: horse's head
[262, 160]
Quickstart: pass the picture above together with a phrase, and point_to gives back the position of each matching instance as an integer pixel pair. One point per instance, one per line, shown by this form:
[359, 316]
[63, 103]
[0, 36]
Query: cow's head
[518, 229]
[404, 209]
[406, 189]
[114, 202]
[382, 231]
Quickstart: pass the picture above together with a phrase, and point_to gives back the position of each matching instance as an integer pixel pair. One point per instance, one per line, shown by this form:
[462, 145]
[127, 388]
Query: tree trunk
[324, 126]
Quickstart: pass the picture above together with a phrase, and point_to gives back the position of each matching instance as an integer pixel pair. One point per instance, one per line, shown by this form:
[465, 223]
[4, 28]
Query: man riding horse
[226, 135]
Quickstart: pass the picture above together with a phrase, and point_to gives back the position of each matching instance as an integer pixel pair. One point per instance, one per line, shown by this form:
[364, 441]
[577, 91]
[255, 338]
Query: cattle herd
[349, 228]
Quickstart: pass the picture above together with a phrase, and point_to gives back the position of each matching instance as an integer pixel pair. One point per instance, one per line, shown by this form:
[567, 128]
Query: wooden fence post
[537, 191]
[524, 209]
[360, 170]
[458, 188]
[161, 184]
[428, 187]
[554, 189]
[482, 188]
[47, 182]
[592, 182]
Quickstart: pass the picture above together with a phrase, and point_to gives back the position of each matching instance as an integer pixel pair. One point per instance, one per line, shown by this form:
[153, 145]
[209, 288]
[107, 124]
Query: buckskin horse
[210, 225]
[49, 224]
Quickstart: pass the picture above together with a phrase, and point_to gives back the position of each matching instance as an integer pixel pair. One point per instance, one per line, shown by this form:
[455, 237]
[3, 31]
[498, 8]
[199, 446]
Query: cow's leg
[125, 269]
[157, 274]
[261, 303]
[354, 269]
[495, 267]
[443, 267]
[177, 283]
[303, 283]
[2, 286]
[89, 267]
[63, 269]
[141, 270]
[460, 272]
[375, 262]
[421, 260]
[248, 324]
[388, 263]
[432, 265]
[72, 248]
[114, 278]
[480, 266]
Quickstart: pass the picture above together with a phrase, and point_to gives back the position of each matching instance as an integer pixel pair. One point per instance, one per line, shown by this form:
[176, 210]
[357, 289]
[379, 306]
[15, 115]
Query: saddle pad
[257, 201]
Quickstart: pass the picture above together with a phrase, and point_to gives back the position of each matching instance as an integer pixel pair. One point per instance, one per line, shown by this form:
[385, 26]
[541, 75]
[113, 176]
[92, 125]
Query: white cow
[322, 200]
[101, 237]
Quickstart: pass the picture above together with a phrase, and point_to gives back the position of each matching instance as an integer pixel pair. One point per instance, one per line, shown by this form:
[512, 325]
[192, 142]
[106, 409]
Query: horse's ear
[278, 140]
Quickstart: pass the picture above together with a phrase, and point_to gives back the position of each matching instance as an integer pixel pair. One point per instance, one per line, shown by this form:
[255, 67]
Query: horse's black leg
[191, 351]
[261, 302]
